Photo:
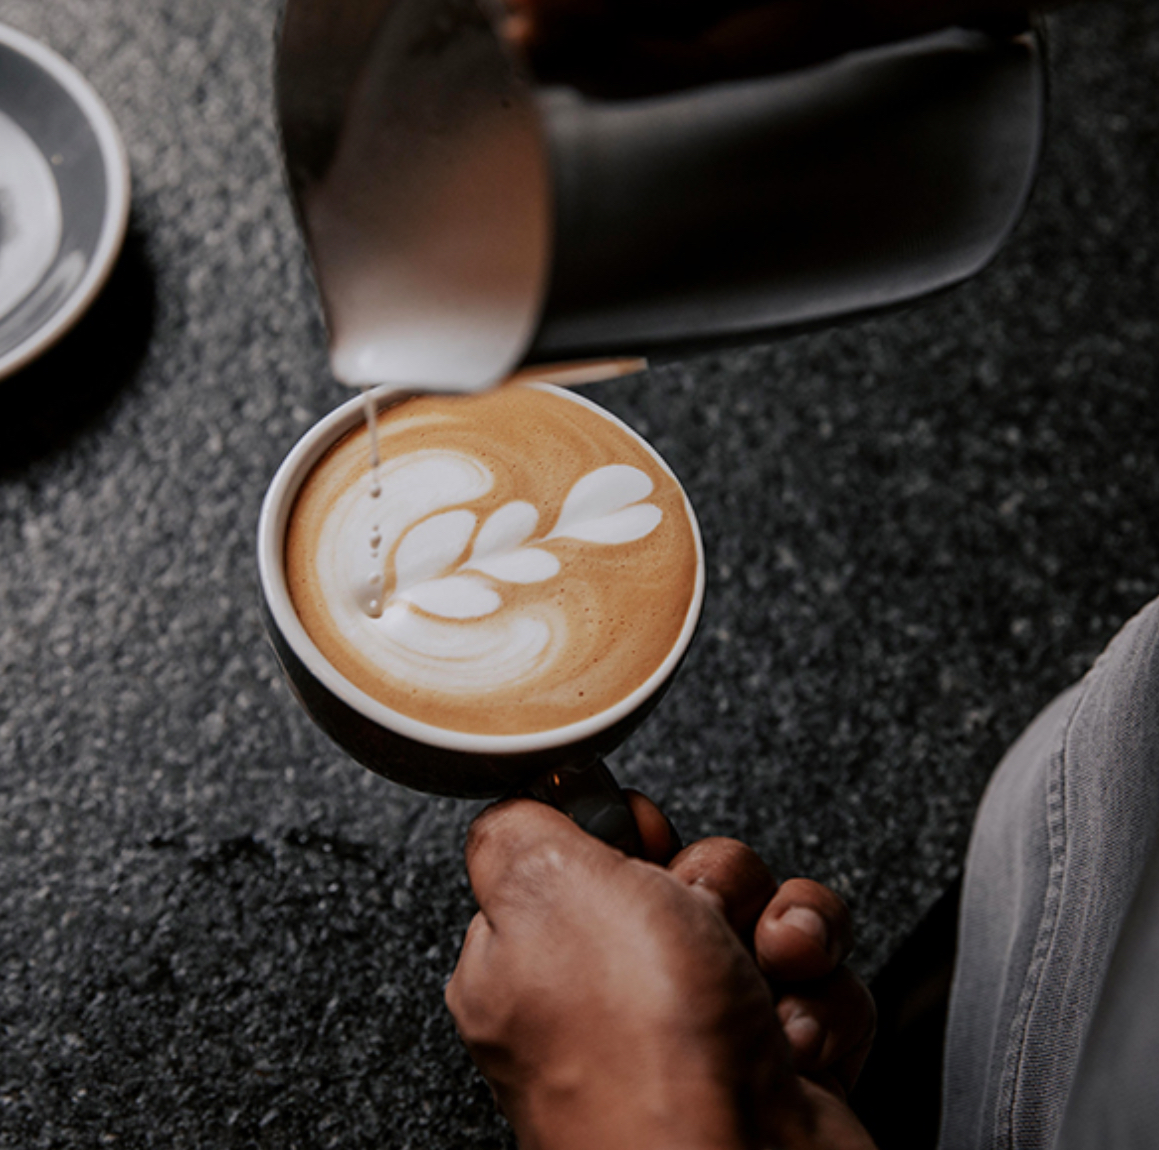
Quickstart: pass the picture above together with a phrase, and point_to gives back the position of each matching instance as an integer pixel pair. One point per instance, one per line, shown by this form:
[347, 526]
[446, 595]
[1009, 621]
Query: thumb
[521, 850]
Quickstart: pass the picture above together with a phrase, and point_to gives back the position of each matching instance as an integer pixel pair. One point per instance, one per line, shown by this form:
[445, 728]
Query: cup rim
[272, 525]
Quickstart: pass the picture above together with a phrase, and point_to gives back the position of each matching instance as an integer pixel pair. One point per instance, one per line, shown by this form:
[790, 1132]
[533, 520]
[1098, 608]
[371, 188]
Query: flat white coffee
[527, 563]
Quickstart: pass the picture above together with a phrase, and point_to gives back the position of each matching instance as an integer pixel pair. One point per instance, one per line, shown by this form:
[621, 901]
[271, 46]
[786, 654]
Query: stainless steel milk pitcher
[466, 221]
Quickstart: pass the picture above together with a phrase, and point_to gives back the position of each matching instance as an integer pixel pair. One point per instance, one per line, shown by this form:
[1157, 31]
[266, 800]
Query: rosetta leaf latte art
[430, 548]
[508, 528]
[455, 597]
[605, 507]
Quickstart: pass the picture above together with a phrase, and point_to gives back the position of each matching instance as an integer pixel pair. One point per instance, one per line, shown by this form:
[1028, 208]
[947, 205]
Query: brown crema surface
[623, 604]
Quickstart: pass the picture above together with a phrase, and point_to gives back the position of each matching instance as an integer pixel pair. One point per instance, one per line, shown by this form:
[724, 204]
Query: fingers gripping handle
[589, 795]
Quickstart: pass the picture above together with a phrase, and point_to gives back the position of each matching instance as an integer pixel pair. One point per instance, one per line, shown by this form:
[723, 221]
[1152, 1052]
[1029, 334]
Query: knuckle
[537, 870]
[474, 1017]
[490, 829]
[476, 1008]
[722, 848]
[526, 876]
[733, 872]
[518, 839]
[722, 858]
[453, 993]
[469, 984]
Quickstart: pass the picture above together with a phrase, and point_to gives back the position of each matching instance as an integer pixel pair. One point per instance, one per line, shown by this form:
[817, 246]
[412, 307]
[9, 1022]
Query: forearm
[644, 1108]
[698, 1123]
[683, 1111]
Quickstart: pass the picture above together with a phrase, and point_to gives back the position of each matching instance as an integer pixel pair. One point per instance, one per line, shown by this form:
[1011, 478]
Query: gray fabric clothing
[1064, 838]
[1115, 1099]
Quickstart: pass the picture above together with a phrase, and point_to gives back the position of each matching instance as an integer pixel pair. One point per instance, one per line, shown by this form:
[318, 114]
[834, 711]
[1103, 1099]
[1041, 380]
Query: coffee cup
[496, 606]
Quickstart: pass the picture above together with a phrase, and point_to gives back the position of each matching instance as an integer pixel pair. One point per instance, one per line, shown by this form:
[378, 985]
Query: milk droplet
[372, 603]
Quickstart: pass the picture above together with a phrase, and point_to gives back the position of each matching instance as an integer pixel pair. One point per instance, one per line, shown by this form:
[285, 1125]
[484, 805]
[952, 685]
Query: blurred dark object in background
[899, 1094]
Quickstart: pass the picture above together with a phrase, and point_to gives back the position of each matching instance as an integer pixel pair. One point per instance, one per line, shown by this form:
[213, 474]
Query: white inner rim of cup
[271, 569]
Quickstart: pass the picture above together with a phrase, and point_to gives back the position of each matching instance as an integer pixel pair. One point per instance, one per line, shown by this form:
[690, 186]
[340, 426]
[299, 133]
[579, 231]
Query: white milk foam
[415, 582]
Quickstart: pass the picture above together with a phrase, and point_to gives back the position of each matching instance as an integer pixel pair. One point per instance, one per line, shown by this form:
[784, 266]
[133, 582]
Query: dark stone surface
[216, 931]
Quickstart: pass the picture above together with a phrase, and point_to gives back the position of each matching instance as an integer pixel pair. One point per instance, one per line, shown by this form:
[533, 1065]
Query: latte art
[516, 562]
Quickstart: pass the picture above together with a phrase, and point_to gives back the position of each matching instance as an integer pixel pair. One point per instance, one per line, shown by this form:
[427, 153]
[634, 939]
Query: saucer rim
[115, 162]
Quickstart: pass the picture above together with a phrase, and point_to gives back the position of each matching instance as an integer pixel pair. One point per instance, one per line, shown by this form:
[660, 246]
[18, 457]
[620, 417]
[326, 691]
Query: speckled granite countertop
[217, 931]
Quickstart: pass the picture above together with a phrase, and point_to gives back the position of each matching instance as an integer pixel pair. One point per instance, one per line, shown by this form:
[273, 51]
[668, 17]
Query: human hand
[615, 47]
[614, 1002]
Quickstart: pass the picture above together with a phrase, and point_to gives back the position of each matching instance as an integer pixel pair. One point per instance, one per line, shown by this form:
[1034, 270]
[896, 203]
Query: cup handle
[588, 794]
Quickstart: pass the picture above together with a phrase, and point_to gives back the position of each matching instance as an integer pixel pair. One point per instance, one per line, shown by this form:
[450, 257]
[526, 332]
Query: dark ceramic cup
[563, 766]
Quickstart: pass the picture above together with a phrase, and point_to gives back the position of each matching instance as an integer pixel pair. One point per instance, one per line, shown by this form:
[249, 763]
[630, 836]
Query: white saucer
[64, 197]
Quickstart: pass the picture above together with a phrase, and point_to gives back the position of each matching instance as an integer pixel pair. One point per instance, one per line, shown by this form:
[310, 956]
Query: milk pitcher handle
[588, 794]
